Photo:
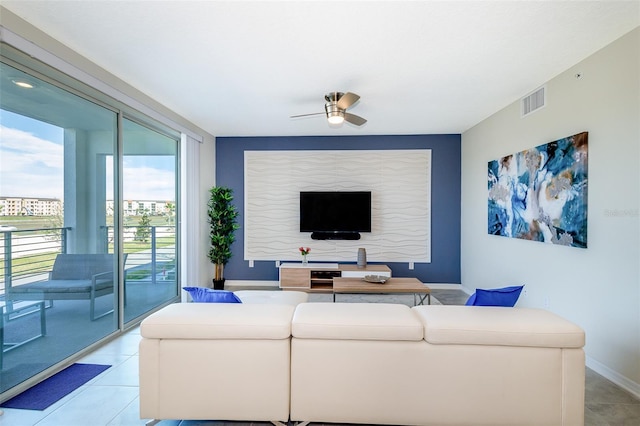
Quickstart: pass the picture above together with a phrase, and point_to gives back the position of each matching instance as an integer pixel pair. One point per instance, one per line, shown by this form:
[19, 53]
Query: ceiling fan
[336, 109]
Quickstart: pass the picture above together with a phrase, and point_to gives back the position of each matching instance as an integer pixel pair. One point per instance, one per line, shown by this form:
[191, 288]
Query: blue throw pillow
[471, 300]
[506, 296]
[208, 295]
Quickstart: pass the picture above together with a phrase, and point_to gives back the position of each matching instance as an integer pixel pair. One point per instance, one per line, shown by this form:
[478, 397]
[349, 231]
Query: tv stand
[335, 235]
[318, 277]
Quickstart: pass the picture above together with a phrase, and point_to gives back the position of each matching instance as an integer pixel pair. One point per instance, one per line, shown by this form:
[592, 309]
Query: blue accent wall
[445, 196]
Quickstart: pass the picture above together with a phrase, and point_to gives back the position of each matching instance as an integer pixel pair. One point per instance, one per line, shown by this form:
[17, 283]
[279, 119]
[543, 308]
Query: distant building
[18, 206]
[137, 207]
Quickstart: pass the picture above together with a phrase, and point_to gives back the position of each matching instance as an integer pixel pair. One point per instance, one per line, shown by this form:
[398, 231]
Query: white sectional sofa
[362, 363]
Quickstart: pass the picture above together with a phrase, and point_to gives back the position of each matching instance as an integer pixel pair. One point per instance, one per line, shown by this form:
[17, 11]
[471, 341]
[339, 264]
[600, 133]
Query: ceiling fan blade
[307, 115]
[354, 119]
[347, 100]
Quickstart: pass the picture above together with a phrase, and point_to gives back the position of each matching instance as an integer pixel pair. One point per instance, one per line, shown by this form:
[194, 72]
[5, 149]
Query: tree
[144, 230]
[171, 213]
[55, 221]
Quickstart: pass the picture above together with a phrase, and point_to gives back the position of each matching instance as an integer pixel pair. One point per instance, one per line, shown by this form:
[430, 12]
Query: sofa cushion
[356, 321]
[208, 295]
[478, 325]
[272, 296]
[219, 321]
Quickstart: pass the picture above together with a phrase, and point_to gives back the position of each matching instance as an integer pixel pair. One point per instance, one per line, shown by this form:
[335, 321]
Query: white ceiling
[238, 68]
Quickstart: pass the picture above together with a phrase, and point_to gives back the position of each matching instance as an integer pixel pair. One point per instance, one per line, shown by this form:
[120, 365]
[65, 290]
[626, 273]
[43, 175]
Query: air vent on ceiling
[533, 102]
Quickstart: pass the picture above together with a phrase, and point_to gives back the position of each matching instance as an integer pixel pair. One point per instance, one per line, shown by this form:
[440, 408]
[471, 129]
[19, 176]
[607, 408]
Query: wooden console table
[347, 279]
[318, 277]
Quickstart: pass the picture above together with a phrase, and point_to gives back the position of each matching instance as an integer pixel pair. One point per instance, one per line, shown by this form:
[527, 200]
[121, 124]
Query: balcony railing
[151, 251]
[28, 255]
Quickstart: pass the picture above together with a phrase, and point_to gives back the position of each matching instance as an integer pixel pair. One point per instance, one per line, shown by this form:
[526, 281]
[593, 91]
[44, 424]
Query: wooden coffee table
[393, 285]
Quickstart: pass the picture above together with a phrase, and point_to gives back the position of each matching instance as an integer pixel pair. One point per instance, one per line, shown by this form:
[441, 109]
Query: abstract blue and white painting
[540, 194]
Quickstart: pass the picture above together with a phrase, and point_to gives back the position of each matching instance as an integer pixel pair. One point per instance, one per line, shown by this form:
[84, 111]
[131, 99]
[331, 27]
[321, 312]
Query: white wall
[598, 287]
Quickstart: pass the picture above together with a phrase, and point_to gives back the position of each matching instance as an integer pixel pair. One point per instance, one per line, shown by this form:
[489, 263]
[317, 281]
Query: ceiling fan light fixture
[336, 109]
[334, 114]
[335, 118]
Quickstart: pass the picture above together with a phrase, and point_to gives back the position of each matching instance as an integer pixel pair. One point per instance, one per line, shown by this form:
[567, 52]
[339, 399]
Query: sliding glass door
[88, 236]
[149, 216]
[58, 281]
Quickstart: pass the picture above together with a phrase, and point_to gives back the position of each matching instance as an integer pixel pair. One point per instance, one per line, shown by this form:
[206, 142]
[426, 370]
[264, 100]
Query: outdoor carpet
[56, 387]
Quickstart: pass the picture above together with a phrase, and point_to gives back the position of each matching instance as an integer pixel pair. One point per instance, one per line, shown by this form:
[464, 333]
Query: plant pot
[218, 284]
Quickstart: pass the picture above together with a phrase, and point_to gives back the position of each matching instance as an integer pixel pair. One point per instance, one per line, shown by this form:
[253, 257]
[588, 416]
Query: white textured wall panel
[400, 185]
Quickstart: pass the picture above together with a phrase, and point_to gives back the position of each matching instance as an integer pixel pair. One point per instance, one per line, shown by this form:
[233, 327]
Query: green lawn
[136, 246]
[34, 264]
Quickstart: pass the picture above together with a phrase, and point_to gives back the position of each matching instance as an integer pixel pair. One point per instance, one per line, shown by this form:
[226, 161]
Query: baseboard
[446, 286]
[252, 283]
[615, 377]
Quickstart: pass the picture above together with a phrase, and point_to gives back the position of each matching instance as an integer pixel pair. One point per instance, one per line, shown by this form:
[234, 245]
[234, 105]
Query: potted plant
[222, 218]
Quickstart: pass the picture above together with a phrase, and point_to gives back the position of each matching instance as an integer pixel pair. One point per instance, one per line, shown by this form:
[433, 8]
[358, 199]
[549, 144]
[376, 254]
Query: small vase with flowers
[304, 251]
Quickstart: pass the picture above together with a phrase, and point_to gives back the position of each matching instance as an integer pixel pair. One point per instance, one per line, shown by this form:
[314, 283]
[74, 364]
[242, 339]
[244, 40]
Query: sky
[32, 164]
[145, 178]
[31, 161]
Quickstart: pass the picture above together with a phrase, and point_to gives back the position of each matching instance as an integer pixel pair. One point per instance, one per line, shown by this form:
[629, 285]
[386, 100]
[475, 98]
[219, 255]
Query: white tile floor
[110, 399]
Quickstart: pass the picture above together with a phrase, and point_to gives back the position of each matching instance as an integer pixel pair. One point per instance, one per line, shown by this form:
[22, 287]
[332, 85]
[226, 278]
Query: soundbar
[337, 235]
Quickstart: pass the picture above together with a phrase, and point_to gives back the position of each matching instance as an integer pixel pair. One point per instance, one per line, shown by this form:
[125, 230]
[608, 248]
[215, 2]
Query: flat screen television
[336, 214]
